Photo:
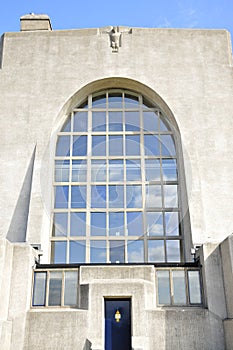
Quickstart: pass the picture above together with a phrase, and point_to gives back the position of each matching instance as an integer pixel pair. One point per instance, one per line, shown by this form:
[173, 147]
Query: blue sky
[71, 14]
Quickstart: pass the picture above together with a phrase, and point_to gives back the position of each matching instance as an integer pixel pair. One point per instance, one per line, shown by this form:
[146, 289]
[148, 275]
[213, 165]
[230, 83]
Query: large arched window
[116, 186]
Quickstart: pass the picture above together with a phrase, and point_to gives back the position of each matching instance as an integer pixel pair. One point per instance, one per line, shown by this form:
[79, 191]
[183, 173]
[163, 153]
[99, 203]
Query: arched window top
[116, 183]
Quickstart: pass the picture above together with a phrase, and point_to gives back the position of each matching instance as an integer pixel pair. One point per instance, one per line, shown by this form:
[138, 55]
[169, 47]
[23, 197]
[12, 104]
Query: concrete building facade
[116, 226]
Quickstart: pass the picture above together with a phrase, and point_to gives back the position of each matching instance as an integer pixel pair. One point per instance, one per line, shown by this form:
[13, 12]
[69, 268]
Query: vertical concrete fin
[18, 227]
[1, 50]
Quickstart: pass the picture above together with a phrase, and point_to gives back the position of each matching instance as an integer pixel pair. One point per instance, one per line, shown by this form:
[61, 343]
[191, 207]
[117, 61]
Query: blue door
[117, 324]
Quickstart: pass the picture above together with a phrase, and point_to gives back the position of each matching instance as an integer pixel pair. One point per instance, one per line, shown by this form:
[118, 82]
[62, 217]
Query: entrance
[117, 324]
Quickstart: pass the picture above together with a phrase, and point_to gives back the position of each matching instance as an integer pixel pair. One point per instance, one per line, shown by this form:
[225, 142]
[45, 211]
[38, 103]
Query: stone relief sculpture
[115, 35]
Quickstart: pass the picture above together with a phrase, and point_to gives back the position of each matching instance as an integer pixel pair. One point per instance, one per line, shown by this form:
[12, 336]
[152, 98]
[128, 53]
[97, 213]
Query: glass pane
[169, 170]
[77, 252]
[80, 121]
[116, 224]
[61, 196]
[151, 145]
[78, 196]
[153, 196]
[163, 287]
[98, 170]
[78, 224]
[150, 121]
[67, 126]
[156, 251]
[98, 145]
[133, 170]
[132, 121]
[168, 147]
[58, 254]
[55, 284]
[115, 100]
[147, 104]
[79, 171]
[134, 223]
[99, 101]
[170, 196]
[98, 121]
[71, 288]
[179, 287]
[116, 196]
[60, 221]
[115, 121]
[154, 224]
[194, 287]
[62, 170]
[39, 289]
[132, 145]
[79, 145]
[98, 196]
[98, 252]
[117, 251]
[135, 251]
[173, 251]
[115, 145]
[63, 146]
[133, 196]
[98, 224]
[172, 224]
[152, 167]
[131, 101]
[116, 170]
[163, 125]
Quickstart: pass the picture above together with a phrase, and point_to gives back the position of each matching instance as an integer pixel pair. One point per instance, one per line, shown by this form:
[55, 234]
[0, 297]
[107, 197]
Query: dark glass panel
[71, 288]
[80, 121]
[79, 145]
[55, 285]
[39, 289]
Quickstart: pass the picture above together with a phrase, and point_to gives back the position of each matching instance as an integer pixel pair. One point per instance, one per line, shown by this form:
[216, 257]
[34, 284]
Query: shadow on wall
[18, 227]
[87, 345]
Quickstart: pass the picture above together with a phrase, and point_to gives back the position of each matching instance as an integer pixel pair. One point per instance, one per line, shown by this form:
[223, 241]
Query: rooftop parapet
[32, 22]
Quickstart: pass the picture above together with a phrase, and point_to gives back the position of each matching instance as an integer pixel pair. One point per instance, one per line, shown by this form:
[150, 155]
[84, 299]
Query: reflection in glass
[194, 287]
[150, 121]
[116, 223]
[133, 170]
[117, 251]
[77, 224]
[98, 145]
[135, 251]
[172, 223]
[115, 100]
[134, 223]
[71, 288]
[115, 145]
[151, 145]
[62, 170]
[61, 196]
[116, 170]
[60, 224]
[133, 196]
[79, 145]
[98, 251]
[131, 101]
[116, 196]
[154, 223]
[98, 170]
[77, 252]
[55, 284]
[98, 196]
[152, 169]
[168, 147]
[80, 121]
[79, 171]
[78, 196]
[115, 121]
[179, 293]
[98, 224]
[163, 287]
[132, 145]
[169, 170]
[156, 251]
[39, 289]
[132, 121]
[153, 196]
[170, 196]
[173, 251]
[58, 255]
[63, 146]
[99, 101]
[98, 121]
[67, 126]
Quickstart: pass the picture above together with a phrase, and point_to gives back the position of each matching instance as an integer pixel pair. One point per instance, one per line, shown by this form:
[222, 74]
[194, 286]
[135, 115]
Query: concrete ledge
[35, 22]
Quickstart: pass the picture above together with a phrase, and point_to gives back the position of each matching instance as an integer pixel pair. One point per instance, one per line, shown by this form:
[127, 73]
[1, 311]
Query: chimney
[32, 22]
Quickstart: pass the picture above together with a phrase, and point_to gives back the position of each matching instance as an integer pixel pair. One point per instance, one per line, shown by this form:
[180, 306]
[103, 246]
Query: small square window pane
[67, 126]
[154, 223]
[170, 196]
[77, 252]
[98, 121]
[99, 101]
[179, 293]
[169, 170]
[62, 170]
[163, 287]
[172, 223]
[116, 224]
[77, 224]
[115, 100]
[39, 289]
[133, 196]
[115, 145]
[153, 196]
[98, 145]
[116, 170]
[63, 146]
[78, 196]
[132, 144]
[131, 101]
[98, 196]
[117, 251]
[60, 221]
[98, 171]
[134, 223]
[80, 121]
[61, 196]
[79, 145]
[168, 146]
[173, 251]
[55, 284]
[135, 251]
[98, 224]
[79, 171]
[151, 145]
[116, 196]
[156, 251]
[71, 288]
[150, 121]
[133, 170]
[98, 252]
[152, 167]
[58, 254]
[115, 121]
[132, 121]
[194, 287]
